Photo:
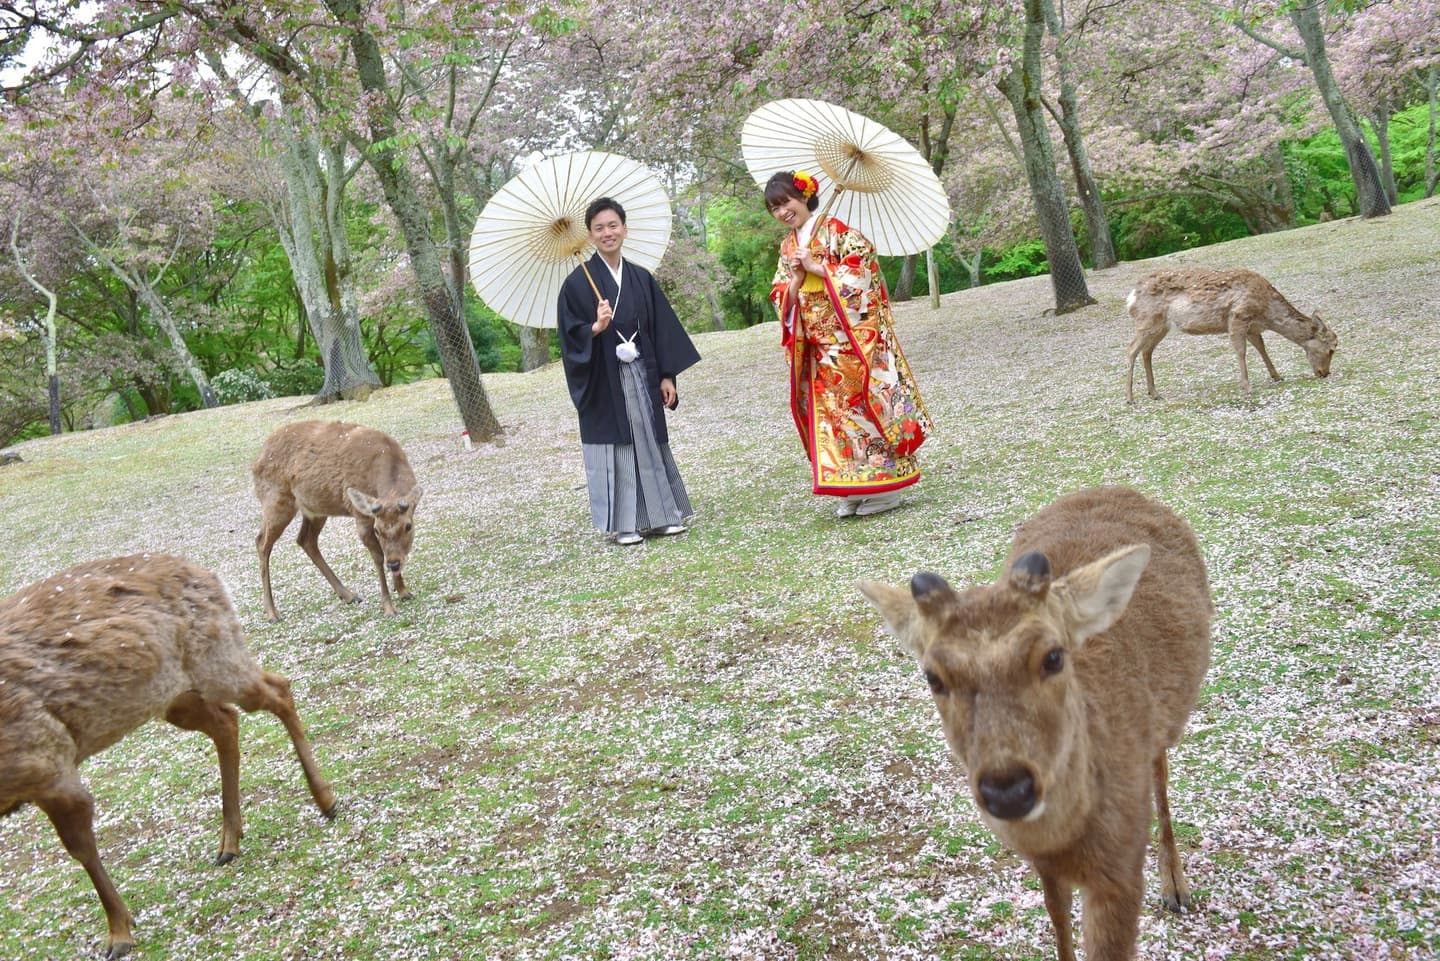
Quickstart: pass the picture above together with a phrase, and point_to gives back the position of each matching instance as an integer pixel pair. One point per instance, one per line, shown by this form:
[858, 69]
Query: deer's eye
[408, 526]
[937, 686]
[1054, 662]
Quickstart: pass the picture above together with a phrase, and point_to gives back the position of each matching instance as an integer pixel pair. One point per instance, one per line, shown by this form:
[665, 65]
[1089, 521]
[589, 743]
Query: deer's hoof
[225, 857]
[118, 949]
[1176, 902]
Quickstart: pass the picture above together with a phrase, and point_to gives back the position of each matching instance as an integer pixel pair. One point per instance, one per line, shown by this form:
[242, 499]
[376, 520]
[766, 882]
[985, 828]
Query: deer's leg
[1259, 344]
[1132, 352]
[72, 810]
[191, 712]
[401, 591]
[271, 692]
[1174, 890]
[309, 541]
[377, 554]
[1144, 344]
[1112, 911]
[1058, 897]
[278, 510]
[1238, 339]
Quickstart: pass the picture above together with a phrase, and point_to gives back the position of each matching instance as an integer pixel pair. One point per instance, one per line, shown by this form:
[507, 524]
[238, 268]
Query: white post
[934, 280]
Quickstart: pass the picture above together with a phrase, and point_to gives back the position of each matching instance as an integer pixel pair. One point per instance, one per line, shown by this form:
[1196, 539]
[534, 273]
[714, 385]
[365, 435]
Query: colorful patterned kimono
[852, 395]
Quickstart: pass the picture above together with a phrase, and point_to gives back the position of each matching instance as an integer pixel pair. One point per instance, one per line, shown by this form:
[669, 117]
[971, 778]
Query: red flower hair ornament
[806, 184]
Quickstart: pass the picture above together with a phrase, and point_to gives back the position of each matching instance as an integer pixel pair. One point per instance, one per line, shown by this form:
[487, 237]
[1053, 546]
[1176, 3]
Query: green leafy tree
[744, 238]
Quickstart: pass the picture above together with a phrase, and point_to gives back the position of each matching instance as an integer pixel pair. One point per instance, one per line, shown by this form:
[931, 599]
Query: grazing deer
[92, 653]
[1061, 686]
[1240, 303]
[325, 469]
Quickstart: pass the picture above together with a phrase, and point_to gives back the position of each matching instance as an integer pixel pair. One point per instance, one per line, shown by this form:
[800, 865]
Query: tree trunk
[1261, 215]
[51, 332]
[1102, 247]
[140, 288]
[131, 410]
[1021, 86]
[1380, 122]
[1432, 175]
[447, 324]
[302, 325]
[162, 316]
[534, 347]
[457, 261]
[905, 283]
[717, 314]
[1369, 190]
[972, 266]
[314, 239]
[53, 390]
[1283, 194]
[936, 150]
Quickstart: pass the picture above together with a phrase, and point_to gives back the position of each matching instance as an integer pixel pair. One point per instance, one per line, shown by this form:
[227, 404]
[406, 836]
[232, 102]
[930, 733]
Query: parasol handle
[835, 193]
[830, 202]
[824, 213]
[586, 268]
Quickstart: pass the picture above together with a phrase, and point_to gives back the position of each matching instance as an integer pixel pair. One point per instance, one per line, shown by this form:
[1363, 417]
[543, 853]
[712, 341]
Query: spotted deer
[1060, 688]
[92, 653]
[322, 469]
[1240, 303]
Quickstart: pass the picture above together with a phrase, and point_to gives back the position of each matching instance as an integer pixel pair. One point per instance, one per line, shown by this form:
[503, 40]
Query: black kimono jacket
[592, 370]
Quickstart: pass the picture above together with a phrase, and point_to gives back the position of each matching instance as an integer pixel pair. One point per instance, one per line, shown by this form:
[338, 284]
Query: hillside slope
[703, 747]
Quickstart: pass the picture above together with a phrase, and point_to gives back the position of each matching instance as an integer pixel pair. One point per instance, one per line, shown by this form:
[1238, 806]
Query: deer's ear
[898, 609]
[1093, 597]
[362, 501]
[413, 497]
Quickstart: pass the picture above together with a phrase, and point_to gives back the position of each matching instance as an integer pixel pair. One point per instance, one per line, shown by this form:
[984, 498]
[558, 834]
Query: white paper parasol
[890, 193]
[532, 232]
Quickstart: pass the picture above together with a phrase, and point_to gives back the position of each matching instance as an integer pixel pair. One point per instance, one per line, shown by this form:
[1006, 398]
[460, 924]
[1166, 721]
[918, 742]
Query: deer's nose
[393, 565]
[1008, 795]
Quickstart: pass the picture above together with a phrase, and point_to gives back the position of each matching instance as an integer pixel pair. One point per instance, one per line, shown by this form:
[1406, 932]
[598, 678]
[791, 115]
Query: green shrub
[296, 379]
[237, 386]
[1025, 259]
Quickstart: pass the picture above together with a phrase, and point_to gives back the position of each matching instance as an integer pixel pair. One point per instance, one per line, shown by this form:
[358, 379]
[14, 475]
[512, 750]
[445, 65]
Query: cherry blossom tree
[988, 195]
[333, 54]
[1022, 83]
[27, 270]
[1067, 35]
[131, 190]
[1258, 19]
[1388, 53]
[904, 63]
[40, 265]
[1432, 169]
[1181, 108]
[300, 173]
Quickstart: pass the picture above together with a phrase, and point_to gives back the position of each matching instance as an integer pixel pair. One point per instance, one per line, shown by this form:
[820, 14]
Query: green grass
[704, 747]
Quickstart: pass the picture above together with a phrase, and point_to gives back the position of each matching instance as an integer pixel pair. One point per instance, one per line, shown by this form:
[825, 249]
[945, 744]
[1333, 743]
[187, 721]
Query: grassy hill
[703, 746]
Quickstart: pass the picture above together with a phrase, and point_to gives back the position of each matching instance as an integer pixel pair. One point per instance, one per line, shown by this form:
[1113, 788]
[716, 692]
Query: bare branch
[1239, 23]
